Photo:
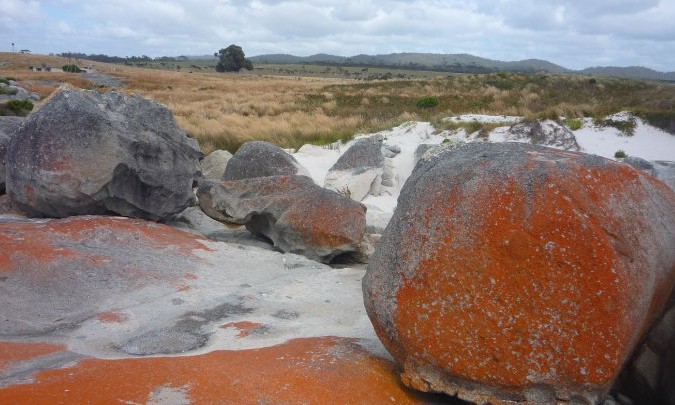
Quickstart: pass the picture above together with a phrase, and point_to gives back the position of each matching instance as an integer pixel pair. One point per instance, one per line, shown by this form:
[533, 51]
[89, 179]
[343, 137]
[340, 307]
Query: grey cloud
[572, 33]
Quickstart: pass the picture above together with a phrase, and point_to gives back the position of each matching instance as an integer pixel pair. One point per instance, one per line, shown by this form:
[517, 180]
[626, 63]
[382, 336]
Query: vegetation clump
[663, 119]
[573, 123]
[626, 127]
[72, 69]
[427, 102]
[19, 108]
[619, 154]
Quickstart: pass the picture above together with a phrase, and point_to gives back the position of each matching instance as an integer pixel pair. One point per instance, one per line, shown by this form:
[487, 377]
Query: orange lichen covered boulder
[315, 370]
[293, 212]
[517, 272]
[55, 274]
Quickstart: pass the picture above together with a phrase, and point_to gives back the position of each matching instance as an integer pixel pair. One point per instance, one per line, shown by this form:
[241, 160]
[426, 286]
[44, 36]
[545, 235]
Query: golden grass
[223, 111]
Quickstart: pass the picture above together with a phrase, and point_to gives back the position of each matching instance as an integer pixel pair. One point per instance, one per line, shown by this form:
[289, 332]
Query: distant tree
[232, 59]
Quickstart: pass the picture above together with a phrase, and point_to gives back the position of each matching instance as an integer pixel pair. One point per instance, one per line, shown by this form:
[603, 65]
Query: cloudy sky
[573, 33]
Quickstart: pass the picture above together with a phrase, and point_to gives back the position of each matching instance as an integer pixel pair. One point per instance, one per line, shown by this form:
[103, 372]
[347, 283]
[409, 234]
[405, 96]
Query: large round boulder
[83, 152]
[518, 272]
[260, 159]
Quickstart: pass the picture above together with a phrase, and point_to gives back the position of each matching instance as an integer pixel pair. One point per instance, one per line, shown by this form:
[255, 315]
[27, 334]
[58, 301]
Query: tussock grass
[225, 110]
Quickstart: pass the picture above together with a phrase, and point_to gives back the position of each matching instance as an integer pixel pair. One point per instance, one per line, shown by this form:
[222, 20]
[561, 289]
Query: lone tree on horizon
[232, 59]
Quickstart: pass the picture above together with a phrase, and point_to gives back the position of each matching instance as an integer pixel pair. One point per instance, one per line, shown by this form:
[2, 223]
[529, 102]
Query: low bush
[19, 108]
[660, 119]
[72, 69]
[473, 126]
[626, 127]
[427, 102]
[619, 154]
[573, 123]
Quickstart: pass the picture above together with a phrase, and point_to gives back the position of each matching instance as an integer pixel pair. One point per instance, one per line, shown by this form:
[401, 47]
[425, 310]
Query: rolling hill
[463, 63]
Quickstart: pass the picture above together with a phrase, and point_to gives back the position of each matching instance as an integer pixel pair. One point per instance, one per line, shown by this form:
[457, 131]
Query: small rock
[358, 172]
[545, 133]
[260, 159]
[213, 165]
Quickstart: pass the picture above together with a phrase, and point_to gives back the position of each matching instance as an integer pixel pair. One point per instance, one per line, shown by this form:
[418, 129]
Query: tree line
[119, 59]
[230, 59]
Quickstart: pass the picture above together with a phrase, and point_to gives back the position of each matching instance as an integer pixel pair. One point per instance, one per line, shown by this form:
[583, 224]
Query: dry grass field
[225, 110]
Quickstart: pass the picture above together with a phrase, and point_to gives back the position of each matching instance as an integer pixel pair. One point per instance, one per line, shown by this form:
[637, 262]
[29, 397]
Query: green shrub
[72, 69]
[473, 126]
[627, 127]
[16, 107]
[619, 154]
[6, 80]
[427, 102]
[660, 119]
[4, 90]
[573, 123]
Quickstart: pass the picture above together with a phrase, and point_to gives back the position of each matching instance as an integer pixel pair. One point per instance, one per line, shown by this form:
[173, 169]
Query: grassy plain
[321, 104]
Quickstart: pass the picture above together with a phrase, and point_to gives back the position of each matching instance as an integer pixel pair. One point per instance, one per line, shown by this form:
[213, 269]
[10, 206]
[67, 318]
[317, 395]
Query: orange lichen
[12, 352]
[111, 317]
[316, 370]
[244, 327]
[52, 240]
[330, 225]
[530, 287]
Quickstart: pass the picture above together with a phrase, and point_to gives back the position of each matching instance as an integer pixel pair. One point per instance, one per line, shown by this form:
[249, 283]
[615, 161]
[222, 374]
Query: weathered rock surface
[84, 300]
[213, 165]
[9, 207]
[293, 212]
[661, 169]
[194, 220]
[314, 370]
[8, 126]
[358, 172]
[260, 159]
[639, 163]
[518, 272]
[83, 152]
[57, 273]
[665, 171]
[648, 378]
[546, 133]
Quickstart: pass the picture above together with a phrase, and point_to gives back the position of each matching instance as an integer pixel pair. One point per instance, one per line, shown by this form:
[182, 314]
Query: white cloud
[15, 13]
[573, 33]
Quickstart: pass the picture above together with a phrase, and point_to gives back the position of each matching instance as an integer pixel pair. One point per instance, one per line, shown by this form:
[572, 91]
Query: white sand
[648, 143]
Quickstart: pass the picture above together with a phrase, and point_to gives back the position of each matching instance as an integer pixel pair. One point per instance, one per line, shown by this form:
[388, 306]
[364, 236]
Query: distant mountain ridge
[461, 63]
[631, 72]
